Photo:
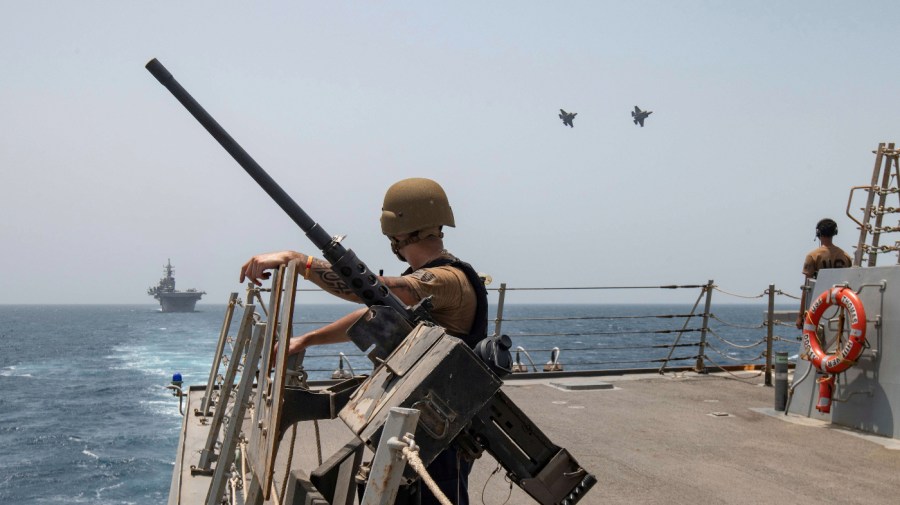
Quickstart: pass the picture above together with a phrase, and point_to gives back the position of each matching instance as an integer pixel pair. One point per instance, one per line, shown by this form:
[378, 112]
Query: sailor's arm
[319, 272]
[336, 332]
[331, 333]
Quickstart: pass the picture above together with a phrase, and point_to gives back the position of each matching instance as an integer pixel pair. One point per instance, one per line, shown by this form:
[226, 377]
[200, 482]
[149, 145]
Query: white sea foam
[114, 486]
[13, 371]
[89, 453]
[162, 407]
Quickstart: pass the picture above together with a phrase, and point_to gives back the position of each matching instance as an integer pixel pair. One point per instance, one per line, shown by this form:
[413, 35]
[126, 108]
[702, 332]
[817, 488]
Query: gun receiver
[355, 274]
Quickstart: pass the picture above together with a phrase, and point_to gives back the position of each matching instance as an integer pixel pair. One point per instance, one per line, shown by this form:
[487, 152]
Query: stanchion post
[388, 463]
[700, 367]
[781, 380]
[770, 323]
[499, 321]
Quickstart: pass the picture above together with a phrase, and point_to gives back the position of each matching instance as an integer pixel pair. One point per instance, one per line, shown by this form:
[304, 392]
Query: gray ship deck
[655, 439]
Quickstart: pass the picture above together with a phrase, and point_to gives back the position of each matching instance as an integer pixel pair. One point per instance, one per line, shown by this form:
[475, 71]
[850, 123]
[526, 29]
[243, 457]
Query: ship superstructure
[170, 299]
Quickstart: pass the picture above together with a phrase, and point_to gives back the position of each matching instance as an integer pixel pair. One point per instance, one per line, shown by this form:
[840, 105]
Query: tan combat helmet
[415, 204]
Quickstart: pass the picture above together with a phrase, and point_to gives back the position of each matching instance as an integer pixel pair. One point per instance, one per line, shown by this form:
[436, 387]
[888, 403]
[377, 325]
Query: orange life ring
[840, 361]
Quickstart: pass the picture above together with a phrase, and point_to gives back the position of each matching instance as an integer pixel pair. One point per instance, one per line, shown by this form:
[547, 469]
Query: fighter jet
[640, 115]
[567, 118]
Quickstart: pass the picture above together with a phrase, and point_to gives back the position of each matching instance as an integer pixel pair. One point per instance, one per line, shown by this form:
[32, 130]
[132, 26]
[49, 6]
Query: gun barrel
[344, 262]
[319, 237]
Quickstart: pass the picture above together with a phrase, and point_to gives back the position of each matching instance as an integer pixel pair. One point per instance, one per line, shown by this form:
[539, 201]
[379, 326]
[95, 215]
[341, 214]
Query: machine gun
[456, 391]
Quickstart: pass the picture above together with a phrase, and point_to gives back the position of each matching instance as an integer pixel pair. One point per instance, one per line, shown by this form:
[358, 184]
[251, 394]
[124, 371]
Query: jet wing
[641, 121]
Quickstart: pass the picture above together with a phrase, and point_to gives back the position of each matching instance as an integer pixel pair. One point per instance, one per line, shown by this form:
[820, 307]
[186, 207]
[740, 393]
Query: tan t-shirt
[454, 299]
[825, 257]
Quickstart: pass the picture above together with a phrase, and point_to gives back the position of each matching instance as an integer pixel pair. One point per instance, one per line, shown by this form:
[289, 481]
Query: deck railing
[711, 339]
[714, 333]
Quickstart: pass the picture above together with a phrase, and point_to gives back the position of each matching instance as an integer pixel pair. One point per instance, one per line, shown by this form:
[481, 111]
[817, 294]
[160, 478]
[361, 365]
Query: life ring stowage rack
[848, 354]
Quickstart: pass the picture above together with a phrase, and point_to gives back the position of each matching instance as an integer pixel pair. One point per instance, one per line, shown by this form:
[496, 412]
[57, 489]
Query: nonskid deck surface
[674, 439]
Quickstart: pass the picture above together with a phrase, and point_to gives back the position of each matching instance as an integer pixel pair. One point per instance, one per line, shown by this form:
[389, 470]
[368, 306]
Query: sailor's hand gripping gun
[421, 367]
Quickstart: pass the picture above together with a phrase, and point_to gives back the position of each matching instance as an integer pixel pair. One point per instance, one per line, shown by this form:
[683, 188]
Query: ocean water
[85, 416]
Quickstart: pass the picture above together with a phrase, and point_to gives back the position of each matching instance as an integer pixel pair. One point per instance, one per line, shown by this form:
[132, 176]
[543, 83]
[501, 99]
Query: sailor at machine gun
[413, 216]
[422, 367]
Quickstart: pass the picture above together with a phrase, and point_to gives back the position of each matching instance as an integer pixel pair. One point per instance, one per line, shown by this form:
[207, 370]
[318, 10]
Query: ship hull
[178, 302]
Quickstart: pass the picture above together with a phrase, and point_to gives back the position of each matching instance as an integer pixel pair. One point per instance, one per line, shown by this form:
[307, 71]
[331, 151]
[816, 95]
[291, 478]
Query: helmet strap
[414, 237]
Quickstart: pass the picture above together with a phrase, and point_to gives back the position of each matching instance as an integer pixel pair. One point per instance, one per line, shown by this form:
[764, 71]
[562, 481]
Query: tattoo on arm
[325, 278]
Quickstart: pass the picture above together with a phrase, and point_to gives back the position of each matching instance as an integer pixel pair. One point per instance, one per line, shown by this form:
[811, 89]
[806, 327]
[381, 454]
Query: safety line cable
[589, 334]
[720, 290]
[584, 364]
[792, 340]
[626, 348]
[720, 353]
[734, 325]
[595, 318]
[732, 344]
[669, 286]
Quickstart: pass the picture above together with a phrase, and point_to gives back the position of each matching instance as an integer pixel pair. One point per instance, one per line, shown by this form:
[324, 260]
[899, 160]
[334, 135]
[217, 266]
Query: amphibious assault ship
[171, 300]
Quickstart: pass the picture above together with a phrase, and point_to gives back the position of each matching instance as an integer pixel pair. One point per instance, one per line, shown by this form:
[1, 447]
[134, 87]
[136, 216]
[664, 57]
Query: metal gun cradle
[459, 401]
[432, 372]
[447, 393]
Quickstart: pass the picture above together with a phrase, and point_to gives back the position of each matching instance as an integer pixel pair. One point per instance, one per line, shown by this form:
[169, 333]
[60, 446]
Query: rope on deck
[287, 467]
[411, 453]
[243, 445]
[318, 441]
[741, 379]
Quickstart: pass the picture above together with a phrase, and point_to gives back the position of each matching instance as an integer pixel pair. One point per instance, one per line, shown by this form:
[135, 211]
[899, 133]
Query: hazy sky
[765, 114]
